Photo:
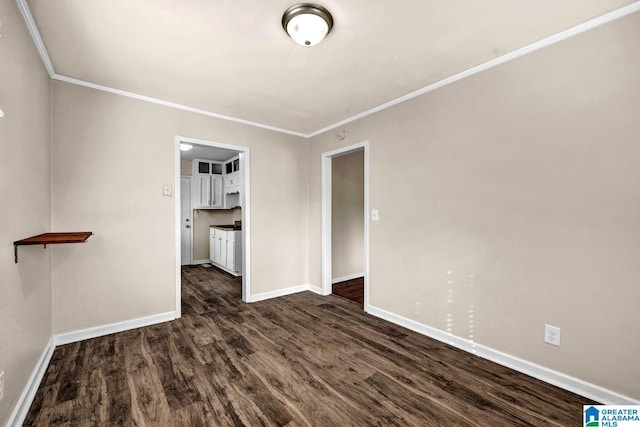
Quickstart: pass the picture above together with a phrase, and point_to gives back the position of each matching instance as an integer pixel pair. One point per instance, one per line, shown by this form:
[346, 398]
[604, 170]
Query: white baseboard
[575, 385]
[98, 331]
[21, 409]
[223, 268]
[287, 291]
[201, 261]
[348, 277]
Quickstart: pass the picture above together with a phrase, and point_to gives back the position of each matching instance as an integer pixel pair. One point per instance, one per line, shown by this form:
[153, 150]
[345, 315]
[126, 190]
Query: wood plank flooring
[352, 290]
[300, 360]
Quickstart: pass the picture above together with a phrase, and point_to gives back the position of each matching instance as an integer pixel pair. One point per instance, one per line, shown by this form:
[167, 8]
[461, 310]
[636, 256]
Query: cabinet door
[217, 249]
[216, 192]
[231, 259]
[212, 240]
[203, 192]
[223, 251]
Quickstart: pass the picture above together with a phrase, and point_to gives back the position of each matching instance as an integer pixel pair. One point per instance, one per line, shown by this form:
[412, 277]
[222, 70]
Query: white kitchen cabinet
[232, 182]
[214, 247]
[208, 185]
[225, 250]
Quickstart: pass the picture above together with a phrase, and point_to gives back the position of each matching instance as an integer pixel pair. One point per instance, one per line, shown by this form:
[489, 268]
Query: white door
[186, 220]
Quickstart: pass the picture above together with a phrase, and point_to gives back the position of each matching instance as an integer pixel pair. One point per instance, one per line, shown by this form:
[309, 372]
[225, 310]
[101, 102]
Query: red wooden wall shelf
[51, 239]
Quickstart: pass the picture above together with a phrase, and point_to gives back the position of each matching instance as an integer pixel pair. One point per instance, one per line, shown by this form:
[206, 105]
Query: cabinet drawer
[220, 233]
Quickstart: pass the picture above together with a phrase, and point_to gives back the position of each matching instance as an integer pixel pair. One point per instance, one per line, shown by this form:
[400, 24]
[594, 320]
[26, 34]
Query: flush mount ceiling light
[185, 147]
[307, 23]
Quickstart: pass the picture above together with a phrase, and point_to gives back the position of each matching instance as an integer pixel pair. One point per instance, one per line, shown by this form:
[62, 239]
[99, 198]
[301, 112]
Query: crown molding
[170, 104]
[548, 41]
[35, 35]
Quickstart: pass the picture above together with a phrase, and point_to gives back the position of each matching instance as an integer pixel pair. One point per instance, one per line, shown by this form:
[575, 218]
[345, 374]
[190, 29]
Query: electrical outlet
[552, 335]
[1, 385]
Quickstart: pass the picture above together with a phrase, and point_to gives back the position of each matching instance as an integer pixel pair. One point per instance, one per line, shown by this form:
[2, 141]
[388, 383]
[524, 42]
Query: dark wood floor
[352, 290]
[297, 360]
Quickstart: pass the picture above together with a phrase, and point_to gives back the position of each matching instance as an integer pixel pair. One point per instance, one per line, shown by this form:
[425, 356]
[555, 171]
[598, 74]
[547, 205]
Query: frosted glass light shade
[185, 147]
[308, 29]
[307, 24]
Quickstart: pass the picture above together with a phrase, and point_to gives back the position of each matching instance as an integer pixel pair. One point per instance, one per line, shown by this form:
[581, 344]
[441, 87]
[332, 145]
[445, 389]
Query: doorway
[243, 167]
[337, 233]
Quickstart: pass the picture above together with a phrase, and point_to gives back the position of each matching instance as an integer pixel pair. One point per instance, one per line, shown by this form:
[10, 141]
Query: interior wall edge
[21, 409]
[558, 379]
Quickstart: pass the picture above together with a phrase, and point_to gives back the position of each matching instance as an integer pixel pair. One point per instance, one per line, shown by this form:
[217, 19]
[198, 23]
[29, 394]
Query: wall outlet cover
[552, 335]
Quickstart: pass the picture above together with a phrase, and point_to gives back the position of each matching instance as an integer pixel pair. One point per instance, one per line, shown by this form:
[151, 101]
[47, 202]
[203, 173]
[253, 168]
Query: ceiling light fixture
[185, 147]
[307, 23]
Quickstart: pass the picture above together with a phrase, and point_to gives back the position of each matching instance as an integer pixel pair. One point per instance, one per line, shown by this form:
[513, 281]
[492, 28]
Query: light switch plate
[167, 190]
[374, 215]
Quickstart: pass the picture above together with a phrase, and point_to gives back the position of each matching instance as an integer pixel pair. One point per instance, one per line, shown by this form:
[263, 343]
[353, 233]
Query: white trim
[558, 37]
[112, 328]
[284, 292]
[548, 41]
[35, 35]
[202, 261]
[245, 168]
[326, 216]
[177, 262]
[21, 409]
[348, 277]
[575, 385]
[225, 269]
[170, 104]
[326, 243]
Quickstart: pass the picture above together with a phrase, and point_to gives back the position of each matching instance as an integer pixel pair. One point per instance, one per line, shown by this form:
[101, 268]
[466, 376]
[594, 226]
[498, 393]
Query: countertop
[227, 227]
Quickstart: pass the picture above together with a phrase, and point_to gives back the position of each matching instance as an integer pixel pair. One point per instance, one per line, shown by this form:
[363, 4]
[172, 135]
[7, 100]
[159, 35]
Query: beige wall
[202, 220]
[126, 270]
[347, 219]
[186, 167]
[25, 296]
[509, 200]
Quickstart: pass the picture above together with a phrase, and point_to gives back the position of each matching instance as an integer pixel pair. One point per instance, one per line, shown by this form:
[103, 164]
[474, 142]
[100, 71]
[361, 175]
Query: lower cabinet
[225, 250]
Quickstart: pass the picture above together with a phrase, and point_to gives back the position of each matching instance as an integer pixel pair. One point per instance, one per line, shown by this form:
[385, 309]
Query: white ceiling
[231, 57]
[208, 153]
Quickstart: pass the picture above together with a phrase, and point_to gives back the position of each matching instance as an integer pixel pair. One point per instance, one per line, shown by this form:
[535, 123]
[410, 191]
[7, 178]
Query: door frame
[245, 167]
[326, 216]
[179, 196]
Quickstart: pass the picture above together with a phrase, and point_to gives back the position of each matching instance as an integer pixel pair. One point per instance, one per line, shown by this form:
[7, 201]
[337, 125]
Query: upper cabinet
[216, 185]
[207, 184]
